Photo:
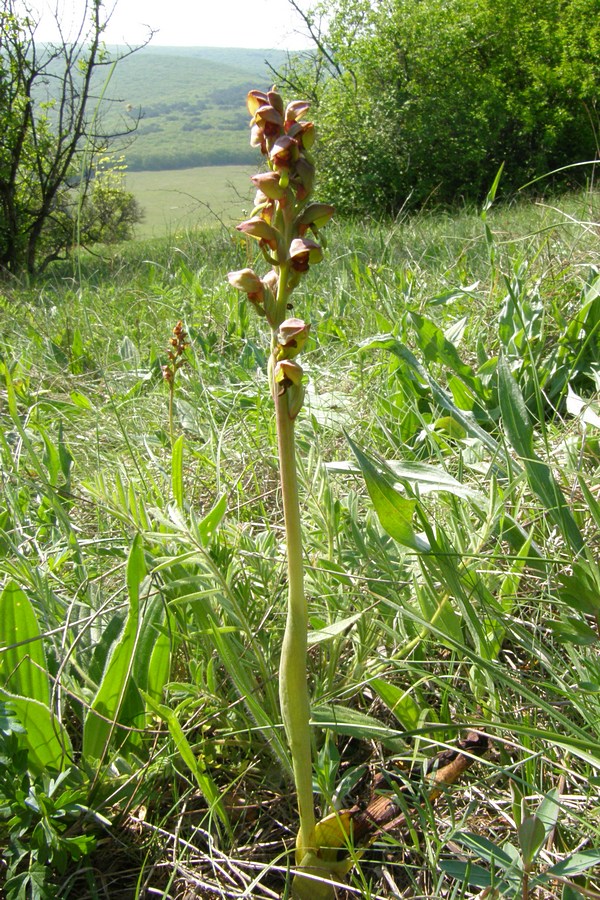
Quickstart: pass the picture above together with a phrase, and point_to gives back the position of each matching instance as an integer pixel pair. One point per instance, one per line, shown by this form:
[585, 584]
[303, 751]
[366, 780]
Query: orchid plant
[281, 221]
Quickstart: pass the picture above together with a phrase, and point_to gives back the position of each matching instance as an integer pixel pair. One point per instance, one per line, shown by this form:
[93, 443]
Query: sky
[264, 24]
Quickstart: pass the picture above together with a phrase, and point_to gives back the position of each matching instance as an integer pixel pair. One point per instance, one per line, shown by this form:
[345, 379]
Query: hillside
[191, 102]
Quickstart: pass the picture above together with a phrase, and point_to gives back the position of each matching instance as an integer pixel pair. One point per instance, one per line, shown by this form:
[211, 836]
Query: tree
[53, 129]
[427, 98]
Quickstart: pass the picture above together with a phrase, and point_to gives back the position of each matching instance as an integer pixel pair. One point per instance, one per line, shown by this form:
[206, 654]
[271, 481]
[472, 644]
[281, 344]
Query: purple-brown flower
[304, 253]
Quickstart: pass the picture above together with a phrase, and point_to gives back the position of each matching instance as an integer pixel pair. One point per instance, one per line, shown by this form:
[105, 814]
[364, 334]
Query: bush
[430, 98]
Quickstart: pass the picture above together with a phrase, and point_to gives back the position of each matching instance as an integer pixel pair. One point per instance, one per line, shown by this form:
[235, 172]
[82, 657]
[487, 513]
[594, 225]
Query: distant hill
[192, 104]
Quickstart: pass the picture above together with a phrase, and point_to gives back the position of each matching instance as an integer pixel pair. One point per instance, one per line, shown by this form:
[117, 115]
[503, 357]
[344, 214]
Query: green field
[180, 199]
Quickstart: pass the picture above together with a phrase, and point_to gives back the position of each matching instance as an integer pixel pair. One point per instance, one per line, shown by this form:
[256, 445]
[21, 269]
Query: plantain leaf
[47, 743]
[23, 668]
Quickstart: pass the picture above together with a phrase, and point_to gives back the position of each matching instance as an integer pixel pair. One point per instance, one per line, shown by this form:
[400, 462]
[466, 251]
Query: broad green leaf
[531, 833]
[47, 742]
[548, 810]
[581, 589]
[484, 848]
[177, 470]
[519, 431]
[23, 667]
[394, 511]
[208, 526]
[335, 629]
[194, 762]
[402, 704]
[159, 668]
[469, 873]
[117, 699]
[152, 659]
[437, 348]
[421, 477]
[576, 864]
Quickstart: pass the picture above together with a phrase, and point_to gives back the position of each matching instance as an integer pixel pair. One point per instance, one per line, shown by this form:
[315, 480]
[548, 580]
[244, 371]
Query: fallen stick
[383, 811]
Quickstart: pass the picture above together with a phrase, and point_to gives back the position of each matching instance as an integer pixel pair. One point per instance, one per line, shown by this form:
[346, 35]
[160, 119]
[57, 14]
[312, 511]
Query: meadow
[453, 375]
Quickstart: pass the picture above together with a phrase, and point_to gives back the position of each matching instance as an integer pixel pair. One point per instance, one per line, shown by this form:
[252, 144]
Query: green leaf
[334, 630]
[465, 420]
[152, 660]
[531, 833]
[23, 667]
[208, 526]
[437, 348]
[177, 470]
[576, 864]
[548, 810]
[519, 431]
[485, 849]
[194, 763]
[46, 740]
[344, 720]
[117, 700]
[472, 874]
[394, 511]
[402, 705]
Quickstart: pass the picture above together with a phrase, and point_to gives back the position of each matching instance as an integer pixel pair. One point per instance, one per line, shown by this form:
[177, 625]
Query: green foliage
[512, 871]
[42, 822]
[425, 101]
[484, 615]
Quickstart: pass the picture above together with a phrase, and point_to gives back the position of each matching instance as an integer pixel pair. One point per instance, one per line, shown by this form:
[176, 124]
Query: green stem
[293, 686]
[171, 397]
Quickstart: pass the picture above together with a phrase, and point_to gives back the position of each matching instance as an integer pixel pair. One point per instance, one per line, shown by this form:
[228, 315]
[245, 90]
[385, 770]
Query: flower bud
[269, 120]
[304, 177]
[315, 215]
[246, 280]
[276, 101]
[288, 372]
[288, 376]
[304, 133]
[284, 152]
[271, 281]
[257, 138]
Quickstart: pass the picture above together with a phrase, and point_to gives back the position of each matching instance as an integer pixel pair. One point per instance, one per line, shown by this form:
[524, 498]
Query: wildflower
[261, 230]
[248, 281]
[291, 338]
[304, 253]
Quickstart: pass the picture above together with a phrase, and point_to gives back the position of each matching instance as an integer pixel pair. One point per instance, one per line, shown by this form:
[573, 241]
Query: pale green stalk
[293, 686]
